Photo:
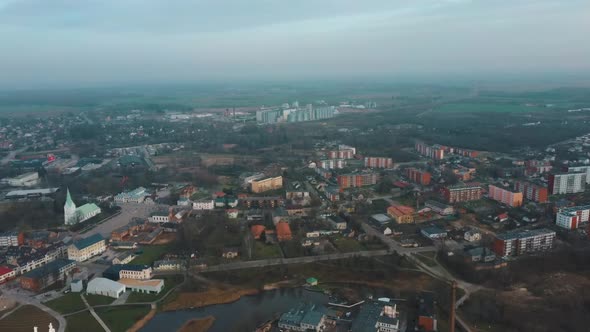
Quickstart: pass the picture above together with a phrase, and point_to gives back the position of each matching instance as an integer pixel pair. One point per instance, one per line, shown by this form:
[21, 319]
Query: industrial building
[105, 287]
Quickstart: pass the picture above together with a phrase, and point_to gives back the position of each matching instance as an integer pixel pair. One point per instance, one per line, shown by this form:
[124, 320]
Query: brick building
[505, 195]
[418, 176]
[532, 191]
[357, 180]
[521, 242]
[378, 162]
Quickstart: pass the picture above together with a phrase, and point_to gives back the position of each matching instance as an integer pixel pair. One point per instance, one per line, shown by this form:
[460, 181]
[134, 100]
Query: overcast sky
[102, 41]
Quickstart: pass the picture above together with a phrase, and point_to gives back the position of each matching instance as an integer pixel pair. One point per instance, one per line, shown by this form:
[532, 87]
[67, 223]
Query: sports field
[485, 108]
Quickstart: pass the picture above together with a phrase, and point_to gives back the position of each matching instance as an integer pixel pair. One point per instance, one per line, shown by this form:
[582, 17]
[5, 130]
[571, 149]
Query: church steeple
[69, 210]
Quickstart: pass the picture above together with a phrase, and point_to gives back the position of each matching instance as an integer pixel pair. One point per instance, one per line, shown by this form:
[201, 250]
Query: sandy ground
[198, 325]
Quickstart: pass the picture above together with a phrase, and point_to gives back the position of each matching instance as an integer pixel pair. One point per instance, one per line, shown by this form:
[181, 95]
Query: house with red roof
[6, 274]
[284, 231]
[257, 231]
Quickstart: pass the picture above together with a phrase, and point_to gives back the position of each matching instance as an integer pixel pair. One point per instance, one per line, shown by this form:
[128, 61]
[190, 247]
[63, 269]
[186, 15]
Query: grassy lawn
[379, 206]
[98, 299]
[25, 318]
[149, 254]
[426, 259]
[347, 244]
[70, 302]
[262, 250]
[82, 322]
[169, 283]
[120, 319]
[485, 107]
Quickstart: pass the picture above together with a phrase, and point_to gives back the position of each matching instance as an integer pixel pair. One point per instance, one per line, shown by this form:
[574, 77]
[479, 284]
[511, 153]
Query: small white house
[472, 236]
[76, 286]
[387, 231]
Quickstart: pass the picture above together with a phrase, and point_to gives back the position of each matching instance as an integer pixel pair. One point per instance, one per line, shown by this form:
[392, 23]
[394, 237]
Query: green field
[98, 299]
[149, 254]
[68, 303]
[82, 322]
[25, 318]
[121, 318]
[262, 250]
[345, 244]
[484, 107]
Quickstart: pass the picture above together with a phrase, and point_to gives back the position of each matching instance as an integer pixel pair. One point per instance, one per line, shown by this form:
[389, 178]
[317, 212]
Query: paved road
[128, 211]
[93, 313]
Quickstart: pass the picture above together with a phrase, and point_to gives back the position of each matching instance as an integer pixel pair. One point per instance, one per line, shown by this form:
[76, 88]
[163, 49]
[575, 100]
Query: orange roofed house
[257, 231]
[401, 213]
[283, 231]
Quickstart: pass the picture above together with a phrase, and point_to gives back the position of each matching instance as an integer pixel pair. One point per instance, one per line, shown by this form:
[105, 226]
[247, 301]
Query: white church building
[74, 215]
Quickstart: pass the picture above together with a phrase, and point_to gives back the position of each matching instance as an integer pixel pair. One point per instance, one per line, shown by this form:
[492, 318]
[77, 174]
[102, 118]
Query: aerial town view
[386, 166]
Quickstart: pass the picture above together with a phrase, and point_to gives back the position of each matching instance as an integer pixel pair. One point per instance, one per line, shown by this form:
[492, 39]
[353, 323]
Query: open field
[263, 251]
[25, 318]
[70, 302]
[82, 322]
[122, 318]
[466, 107]
[98, 299]
[345, 244]
[150, 254]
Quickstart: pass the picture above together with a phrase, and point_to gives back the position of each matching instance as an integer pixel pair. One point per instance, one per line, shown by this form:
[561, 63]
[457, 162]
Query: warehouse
[105, 287]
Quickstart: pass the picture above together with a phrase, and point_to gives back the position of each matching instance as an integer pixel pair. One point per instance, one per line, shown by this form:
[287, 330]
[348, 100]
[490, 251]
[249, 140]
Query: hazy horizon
[69, 43]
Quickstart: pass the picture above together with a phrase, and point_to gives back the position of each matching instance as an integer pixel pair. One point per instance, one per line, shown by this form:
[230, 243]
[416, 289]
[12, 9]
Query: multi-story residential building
[332, 193]
[572, 217]
[462, 193]
[580, 169]
[354, 180]
[267, 184]
[523, 242]
[9, 239]
[204, 204]
[247, 178]
[439, 207]
[269, 116]
[128, 271]
[505, 196]
[24, 180]
[26, 259]
[89, 247]
[378, 162]
[331, 163]
[567, 183]
[532, 191]
[418, 176]
[537, 167]
[435, 152]
[343, 152]
[47, 275]
[262, 202]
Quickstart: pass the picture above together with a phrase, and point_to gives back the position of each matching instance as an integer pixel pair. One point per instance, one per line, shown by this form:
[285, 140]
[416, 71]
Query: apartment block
[532, 191]
[378, 162]
[9, 239]
[267, 184]
[343, 152]
[580, 169]
[462, 193]
[567, 183]
[357, 180]
[523, 242]
[435, 152]
[331, 163]
[418, 176]
[572, 217]
[505, 196]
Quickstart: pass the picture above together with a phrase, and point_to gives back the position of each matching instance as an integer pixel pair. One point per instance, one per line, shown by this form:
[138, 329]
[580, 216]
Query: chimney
[453, 301]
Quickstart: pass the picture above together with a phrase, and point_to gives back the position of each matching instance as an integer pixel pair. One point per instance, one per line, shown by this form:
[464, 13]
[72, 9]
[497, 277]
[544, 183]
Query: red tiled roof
[400, 210]
[4, 270]
[257, 230]
[283, 231]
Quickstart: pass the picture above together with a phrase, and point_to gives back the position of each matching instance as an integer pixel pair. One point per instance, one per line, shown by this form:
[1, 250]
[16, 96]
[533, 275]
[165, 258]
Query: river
[249, 311]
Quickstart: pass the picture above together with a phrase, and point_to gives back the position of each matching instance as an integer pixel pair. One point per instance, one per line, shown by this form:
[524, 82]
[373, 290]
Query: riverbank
[141, 323]
[216, 294]
[198, 325]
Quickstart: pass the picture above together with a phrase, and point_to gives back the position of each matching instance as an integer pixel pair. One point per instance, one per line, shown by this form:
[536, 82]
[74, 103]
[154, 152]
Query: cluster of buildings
[295, 114]
[378, 162]
[74, 215]
[438, 152]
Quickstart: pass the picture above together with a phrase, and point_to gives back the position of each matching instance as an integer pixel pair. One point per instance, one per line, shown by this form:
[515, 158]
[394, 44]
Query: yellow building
[402, 214]
[87, 248]
[267, 184]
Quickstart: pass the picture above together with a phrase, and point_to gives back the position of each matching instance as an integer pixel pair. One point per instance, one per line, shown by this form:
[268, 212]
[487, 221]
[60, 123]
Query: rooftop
[433, 230]
[524, 234]
[135, 282]
[49, 268]
[87, 242]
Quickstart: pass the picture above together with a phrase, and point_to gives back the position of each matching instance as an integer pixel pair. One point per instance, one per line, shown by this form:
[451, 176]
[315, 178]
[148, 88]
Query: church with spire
[74, 215]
